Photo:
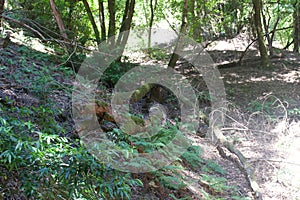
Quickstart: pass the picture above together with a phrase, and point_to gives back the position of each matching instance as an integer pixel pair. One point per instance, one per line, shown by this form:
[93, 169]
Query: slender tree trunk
[258, 25]
[273, 32]
[1, 10]
[112, 19]
[59, 20]
[266, 27]
[296, 27]
[152, 10]
[126, 23]
[127, 16]
[195, 24]
[102, 20]
[125, 27]
[92, 20]
[183, 28]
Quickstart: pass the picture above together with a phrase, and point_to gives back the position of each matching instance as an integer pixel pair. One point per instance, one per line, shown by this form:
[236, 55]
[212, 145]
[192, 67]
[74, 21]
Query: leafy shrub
[46, 165]
[192, 156]
[114, 72]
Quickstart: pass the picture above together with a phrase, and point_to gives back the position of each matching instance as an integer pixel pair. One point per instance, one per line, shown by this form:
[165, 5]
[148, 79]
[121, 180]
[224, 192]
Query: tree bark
[92, 20]
[296, 27]
[112, 18]
[126, 24]
[183, 28]
[1, 10]
[257, 20]
[195, 26]
[266, 27]
[152, 10]
[102, 20]
[59, 20]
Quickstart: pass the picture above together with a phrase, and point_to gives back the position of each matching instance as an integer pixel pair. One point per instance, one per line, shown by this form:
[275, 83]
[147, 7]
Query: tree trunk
[1, 10]
[59, 20]
[152, 10]
[92, 20]
[296, 27]
[183, 28]
[257, 20]
[112, 19]
[102, 20]
[195, 25]
[126, 24]
[266, 27]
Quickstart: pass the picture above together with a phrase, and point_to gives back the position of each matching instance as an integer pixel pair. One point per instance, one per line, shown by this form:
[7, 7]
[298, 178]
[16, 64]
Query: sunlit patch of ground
[289, 172]
[21, 39]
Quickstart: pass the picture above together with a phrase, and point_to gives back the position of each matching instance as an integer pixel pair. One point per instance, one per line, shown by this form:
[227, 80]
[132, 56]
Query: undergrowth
[39, 161]
[42, 163]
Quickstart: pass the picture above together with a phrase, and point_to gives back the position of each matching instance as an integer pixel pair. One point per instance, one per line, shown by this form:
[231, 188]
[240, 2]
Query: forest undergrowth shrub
[157, 53]
[44, 164]
[114, 72]
[259, 116]
[170, 176]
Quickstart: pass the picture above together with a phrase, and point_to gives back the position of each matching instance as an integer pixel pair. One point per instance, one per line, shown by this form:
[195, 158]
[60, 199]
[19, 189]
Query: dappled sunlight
[288, 147]
[258, 79]
[271, 145]
[292, 76]
[34, 43]
[149, 100]
[238, 43]
[287, 76]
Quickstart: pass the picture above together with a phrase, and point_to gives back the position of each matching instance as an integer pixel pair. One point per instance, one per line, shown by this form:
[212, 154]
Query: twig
[24, 25]
[254, 40]
[234, 128]
[43, 38]
[69, 59]
[273, 160]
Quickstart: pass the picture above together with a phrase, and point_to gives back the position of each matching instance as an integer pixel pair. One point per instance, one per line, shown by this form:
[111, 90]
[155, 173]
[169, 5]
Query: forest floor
[263, 121]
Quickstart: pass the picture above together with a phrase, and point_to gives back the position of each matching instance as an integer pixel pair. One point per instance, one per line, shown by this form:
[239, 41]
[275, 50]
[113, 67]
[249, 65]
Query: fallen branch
[242, 163]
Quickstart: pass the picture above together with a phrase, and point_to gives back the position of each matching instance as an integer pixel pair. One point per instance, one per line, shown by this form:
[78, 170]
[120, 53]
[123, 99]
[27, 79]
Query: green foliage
[211, 166]
[217, 183]
[114, 72]
[157, 54]
[184, 198]
[39, 13]
[258, 106]
[74, 61]
[192, 156]
[49, 165]
[271, 108]
[168, 176]
[34, 151]
[171, 182]
[294, 111]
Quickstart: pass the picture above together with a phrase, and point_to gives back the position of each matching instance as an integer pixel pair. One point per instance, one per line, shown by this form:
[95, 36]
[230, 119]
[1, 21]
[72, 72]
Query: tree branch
[24, 25]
